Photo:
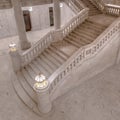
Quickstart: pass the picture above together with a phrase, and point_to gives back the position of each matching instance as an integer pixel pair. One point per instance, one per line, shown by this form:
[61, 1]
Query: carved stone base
[25, 45]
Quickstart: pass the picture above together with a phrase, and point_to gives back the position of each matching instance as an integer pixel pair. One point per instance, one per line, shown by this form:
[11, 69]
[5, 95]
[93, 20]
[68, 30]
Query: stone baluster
[24, 44]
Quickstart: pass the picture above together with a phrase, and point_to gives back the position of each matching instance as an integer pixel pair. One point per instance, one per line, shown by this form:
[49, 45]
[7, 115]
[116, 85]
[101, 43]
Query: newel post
[15, 57]
[58, 35]
[43, 97]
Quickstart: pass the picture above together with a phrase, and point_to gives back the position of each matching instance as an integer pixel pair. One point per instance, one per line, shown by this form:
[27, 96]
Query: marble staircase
[52, 58]
[93, 9]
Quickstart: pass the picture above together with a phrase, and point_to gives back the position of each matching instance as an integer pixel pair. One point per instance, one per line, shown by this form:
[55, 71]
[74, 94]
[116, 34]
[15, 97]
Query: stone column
[57, 14]
[20, 24]
[15, 57]
[43, 97]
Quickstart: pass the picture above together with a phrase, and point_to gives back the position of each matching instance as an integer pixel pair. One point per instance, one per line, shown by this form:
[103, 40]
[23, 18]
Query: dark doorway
[51, 16]
[27, 20]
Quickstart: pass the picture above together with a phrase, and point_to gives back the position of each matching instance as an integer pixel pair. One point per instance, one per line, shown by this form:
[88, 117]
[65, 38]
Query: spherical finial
[12, 47]
[41, 82]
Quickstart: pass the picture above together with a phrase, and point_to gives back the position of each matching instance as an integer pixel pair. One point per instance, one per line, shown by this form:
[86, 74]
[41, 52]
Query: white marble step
[30, 71]
[87, 34]
[77, 40]
[51, 58]
[89, 27]
[45, 65]
[28, 77]
[67, 56]
[41, 68]
[58, 58]
[96, 25]
[27, 87]
[72, 42]
[50, 63]
[24, 96]
[84, 36]
[35, 69]
[86, 39]
[58, 52]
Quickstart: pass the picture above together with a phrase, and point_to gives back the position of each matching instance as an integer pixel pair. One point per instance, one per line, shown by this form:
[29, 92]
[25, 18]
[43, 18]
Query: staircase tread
[72, 42]
[41, 68]
[30, 71]
[61, 51]
[28, 77]
[58, 52]
[45, 65]
[83, 37]
[51, 63]
[24, 97]
[26, 86]
[58, 58]
[36, 70]
[79, 39]
[51, 58]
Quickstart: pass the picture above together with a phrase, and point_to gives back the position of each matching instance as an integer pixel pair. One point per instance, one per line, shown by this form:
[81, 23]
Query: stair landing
[102, 19]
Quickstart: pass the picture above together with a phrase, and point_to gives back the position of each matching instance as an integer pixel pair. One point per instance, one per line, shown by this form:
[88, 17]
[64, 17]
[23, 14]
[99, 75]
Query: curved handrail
[83, 54]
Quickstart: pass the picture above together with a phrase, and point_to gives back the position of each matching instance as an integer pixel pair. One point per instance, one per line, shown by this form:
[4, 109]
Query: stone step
[51, 58]
[30, 71]
[79, 38]
[57, 51]
[45, 65]
[31, 93]
[35, 69]
[24, 96]
[50, 63]
[28, 77]
[91, 26]
[61, 51]
[84, 37]
[43, 70]
[57, 57]
[89, 34]
[72, 42]
[91, 6]
[95, 24]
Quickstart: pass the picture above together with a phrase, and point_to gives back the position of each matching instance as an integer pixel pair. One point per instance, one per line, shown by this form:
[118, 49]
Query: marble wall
[5, 4]
[7, 23]
[66, 14]
[39, 16]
